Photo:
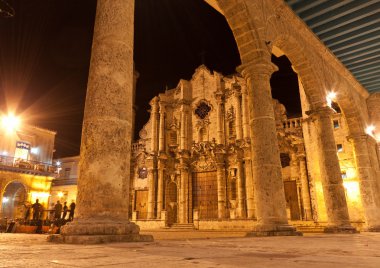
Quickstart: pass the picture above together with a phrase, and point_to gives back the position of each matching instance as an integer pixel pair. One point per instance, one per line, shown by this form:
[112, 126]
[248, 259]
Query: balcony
[12, 164]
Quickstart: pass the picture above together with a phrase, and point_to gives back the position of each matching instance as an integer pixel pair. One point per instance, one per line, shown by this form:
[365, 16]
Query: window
[143, 173]
[285, 160]
[202, 110]
[67, 172]
[336, 124]
[22, 150]
[339, 148]
[231, 128]
[344, 174]
[173, 138]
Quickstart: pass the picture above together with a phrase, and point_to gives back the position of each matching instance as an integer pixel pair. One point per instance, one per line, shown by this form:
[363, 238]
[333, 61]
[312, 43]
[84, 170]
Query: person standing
[57, 210]
[65, 209]
[72, 210]
[37, 209]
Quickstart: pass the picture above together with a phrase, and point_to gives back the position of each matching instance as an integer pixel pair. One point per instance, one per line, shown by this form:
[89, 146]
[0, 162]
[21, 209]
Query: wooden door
[141, 204]
[291, 196]
[205, 195]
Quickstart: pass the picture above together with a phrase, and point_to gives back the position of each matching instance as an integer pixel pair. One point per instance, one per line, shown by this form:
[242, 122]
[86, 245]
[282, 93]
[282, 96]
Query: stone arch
[251, 47]
[16, 193]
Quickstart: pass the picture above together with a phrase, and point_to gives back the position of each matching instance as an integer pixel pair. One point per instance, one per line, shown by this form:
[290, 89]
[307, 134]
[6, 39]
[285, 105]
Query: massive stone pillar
[369, 188]
[266, 167]
[306, 202]
[331, 178]
[103, 184]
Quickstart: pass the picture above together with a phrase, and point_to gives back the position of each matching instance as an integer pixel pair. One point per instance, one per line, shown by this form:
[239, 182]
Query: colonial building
[26, 166]
[192, 163]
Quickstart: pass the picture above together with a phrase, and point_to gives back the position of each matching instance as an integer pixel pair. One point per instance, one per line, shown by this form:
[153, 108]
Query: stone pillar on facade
[219, 120]
[331, 178]
[251, 208]
[161, 162]
[183, 130]
[266, 166]
[239, 119]
[103, 184]
[154, 125]
[369, 188]
[221, 185]
[151, 191]
[305, 192]
[241, 206]
[245, 113]
[183, 208]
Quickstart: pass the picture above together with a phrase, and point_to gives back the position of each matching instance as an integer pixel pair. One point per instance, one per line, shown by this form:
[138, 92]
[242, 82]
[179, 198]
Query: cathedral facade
[192, 164]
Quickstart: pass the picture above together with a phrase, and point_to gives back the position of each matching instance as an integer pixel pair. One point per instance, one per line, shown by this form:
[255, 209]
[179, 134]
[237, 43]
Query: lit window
[339, 148]
[22, 150]
[336, 124]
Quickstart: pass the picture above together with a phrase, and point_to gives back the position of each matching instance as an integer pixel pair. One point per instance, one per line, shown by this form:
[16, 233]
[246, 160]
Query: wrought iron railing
[8, 162]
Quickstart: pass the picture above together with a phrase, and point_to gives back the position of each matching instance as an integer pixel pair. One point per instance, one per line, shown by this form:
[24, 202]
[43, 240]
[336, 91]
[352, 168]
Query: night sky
[45, 54]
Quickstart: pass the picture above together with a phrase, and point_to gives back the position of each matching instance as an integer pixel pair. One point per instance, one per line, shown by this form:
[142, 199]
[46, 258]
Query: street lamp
[10, 123]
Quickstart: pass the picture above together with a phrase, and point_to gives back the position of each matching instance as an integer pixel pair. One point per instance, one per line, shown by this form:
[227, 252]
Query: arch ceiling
[351, 30]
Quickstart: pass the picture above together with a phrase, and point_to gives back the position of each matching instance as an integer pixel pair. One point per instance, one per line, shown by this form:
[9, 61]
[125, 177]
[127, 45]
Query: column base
[96, 232]
[261, 230]
[345, 229]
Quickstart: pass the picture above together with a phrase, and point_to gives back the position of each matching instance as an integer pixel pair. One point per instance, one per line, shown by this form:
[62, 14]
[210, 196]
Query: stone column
[241, 211]
[103, 184]
[183, 216]
[221, 181]
[161, 145]
[239, 124]
[183, 130]
[219, 119]
[266, 166]
[369, 189]
[154, 122]
[151, 193]
[245, 114]
[160, 185]
[251, 209]
[306, 202]
[331, 178]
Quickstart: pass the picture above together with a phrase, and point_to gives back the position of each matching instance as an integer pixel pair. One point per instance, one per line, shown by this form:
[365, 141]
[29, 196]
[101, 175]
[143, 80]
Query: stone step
[183, 226]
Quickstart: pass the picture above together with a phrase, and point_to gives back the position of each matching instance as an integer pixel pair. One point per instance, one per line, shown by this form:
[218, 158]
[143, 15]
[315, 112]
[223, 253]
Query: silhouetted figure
[65, 209]
[37, 210]
[72, 210]
[27, 211]
[57, 210]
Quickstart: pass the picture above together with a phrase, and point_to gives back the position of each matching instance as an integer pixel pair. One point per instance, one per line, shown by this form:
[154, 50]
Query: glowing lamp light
[10, 123]
[5, 199]
[331, 96]
[370, 130]
[58, 163]
[4, 153]
[60, 194]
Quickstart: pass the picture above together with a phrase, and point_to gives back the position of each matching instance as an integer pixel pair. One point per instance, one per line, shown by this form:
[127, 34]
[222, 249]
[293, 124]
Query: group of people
[58, 209]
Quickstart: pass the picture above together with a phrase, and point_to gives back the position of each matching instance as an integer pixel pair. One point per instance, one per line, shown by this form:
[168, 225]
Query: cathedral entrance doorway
[171, 204]
[291, 196]
[141, 206]
[14, 199]
[205, 193]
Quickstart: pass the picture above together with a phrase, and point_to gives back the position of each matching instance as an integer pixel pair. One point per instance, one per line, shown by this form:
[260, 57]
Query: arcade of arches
[260, 29]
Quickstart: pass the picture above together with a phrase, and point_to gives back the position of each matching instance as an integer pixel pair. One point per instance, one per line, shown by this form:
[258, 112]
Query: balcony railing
[137, 147]
[292, 123]
[26, 166]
